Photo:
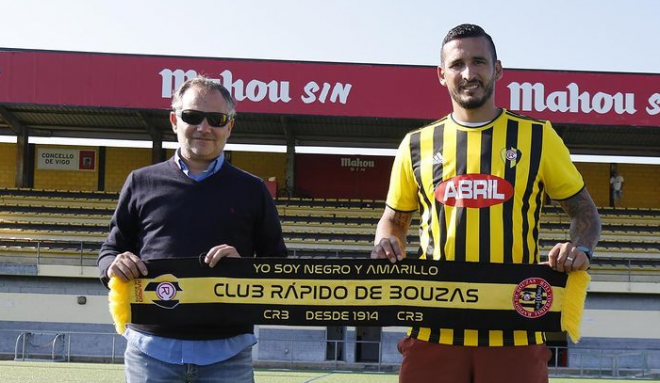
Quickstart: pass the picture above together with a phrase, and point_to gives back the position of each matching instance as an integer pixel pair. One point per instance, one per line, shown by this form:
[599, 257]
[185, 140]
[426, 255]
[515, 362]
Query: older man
[196, 203]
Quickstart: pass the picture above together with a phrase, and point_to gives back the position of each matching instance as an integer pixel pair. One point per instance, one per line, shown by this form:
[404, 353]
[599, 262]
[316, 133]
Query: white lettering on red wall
[256, 90]
[654, 104]
[357, 164]
[338, 92]
[320, 89]
[531, 97]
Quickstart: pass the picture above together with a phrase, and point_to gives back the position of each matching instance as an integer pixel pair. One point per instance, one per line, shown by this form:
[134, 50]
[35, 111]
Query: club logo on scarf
[165, 290]
[532, 297]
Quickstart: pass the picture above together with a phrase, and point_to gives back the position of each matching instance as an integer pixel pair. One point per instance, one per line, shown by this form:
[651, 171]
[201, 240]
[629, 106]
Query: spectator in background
[616, 186]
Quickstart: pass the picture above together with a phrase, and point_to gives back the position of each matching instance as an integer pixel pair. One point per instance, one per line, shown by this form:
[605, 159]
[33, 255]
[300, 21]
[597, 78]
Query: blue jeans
[141, 368]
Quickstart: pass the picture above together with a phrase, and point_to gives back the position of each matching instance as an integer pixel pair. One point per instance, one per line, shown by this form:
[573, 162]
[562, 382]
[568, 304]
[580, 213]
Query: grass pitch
[45, 372]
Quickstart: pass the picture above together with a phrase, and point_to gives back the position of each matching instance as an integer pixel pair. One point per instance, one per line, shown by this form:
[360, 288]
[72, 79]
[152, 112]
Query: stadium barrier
[34, 346]
[61, 346]
[330, 354]
[608, 363]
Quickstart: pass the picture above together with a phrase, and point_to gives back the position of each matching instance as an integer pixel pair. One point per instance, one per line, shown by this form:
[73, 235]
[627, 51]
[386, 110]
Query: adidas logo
[438, 159]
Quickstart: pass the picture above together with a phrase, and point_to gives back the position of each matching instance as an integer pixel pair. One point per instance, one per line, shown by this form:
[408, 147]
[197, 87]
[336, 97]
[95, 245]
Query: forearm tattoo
[585, 221]
[402, 219]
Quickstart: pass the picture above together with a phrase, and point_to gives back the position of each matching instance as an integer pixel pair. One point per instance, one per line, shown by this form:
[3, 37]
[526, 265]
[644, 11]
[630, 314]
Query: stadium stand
[66, 229]
[51, 226]
[69, 227]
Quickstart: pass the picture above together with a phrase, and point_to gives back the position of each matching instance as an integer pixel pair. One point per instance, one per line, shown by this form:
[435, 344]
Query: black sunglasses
[195, 117]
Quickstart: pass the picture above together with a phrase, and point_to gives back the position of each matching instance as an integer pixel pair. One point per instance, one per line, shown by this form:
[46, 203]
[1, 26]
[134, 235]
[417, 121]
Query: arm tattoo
[402, 219]
[585, 221]
[393, 223]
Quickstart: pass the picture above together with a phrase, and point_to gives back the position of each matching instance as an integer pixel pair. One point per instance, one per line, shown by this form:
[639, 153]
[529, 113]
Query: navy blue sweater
[162, 213]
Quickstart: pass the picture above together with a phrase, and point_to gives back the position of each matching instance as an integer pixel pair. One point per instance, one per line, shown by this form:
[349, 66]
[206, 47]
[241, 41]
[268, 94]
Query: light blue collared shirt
[180, 351]
[213, 167]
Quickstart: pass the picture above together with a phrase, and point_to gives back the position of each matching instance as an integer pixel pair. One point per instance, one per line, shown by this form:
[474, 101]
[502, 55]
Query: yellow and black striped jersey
[480, 191]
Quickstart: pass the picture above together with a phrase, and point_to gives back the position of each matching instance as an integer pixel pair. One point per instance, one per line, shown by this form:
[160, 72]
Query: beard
[474, 102]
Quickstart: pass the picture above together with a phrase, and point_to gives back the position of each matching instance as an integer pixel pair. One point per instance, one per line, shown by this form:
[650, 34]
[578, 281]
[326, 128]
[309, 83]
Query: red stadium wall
[343, 176]
[320, 89]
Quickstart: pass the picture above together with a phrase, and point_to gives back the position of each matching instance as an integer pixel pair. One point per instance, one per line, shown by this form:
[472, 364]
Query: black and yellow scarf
[353, 292]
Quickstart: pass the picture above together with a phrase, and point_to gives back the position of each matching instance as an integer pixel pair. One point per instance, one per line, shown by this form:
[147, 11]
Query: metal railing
[39, 257]
[606, 363]
[328, 354]
[75, 346]
[30, 351]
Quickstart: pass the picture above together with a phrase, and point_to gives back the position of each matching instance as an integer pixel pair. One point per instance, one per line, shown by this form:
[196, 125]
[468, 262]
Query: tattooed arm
[391, 234]
[584, 231]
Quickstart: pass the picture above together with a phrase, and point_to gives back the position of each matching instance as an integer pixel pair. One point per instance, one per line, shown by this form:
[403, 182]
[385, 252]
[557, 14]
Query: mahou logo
[474, 190]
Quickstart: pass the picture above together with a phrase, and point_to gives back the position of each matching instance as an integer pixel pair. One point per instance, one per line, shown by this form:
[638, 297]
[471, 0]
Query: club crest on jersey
[533, 297]
[165, 290]
[511, 156]
[474, 190]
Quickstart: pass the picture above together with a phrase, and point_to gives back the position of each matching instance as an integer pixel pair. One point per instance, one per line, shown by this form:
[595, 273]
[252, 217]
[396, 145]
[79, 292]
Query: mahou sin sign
[533, 97]
[588, 98]
[320, 89]
[256, 90]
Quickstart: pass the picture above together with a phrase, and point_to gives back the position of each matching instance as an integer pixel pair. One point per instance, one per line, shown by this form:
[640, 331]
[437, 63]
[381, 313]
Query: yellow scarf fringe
[119, 302]
[575, 295]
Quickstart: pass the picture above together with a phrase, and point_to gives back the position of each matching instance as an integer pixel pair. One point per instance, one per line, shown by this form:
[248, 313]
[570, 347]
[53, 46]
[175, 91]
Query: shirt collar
[213, 167]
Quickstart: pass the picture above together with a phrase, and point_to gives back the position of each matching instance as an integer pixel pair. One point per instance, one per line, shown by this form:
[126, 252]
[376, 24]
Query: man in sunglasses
[194, 203]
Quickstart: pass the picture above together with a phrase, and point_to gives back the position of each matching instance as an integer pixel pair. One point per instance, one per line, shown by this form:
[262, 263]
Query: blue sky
[592, 35]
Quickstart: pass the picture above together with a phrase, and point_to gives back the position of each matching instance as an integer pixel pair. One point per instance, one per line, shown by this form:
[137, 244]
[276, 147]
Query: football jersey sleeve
[402, 193]
[560, 176]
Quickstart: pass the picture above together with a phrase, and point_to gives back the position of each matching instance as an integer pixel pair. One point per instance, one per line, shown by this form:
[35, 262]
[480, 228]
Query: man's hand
[389, 248]
[218, 252]
[391, 235]
[585, 230]
[565, 257]
[127, 266]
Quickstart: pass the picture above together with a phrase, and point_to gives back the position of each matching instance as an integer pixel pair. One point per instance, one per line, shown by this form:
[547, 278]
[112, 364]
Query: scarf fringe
[119, 302]
[575, 295]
